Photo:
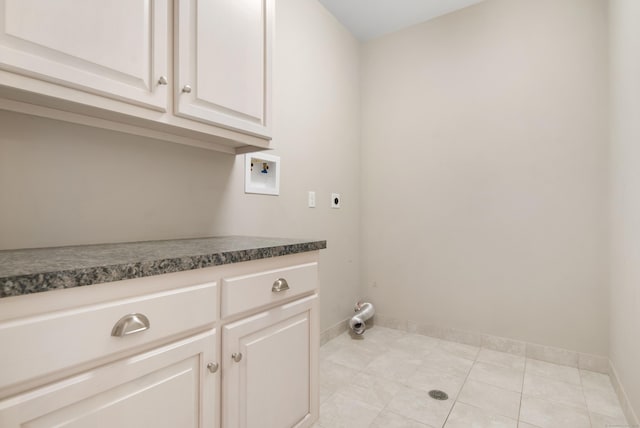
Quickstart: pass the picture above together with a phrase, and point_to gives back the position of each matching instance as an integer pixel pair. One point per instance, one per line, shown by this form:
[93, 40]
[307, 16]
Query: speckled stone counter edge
[47, 281]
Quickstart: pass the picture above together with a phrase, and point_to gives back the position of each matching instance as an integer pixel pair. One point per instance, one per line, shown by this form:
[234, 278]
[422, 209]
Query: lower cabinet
[167, 387]
[270, 368]
[233, 346]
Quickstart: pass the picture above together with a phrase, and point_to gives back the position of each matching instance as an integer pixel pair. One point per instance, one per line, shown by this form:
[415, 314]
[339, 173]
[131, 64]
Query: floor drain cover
[438, 395]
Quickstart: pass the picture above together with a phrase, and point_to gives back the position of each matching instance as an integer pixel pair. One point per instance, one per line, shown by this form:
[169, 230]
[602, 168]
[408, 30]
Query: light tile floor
[383, 378]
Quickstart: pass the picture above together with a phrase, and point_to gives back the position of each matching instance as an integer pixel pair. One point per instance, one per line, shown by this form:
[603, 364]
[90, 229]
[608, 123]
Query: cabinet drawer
[40, 345]
[243, 293]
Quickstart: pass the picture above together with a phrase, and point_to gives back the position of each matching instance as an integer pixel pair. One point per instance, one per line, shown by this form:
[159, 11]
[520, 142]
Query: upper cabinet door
[113, 48]
[223, 66]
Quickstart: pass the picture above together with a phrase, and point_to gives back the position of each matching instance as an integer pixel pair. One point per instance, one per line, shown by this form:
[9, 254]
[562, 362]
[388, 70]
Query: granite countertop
[44, 269]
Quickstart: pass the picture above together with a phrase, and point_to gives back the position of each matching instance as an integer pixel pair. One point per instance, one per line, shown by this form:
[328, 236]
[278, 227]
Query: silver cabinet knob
[186, 89]
[213, 367]
[162, 80]
[280, 285]
[236, 357]
[130, 324]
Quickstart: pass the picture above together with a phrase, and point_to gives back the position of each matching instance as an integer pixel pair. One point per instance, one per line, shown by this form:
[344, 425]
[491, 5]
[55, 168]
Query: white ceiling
[368, 19]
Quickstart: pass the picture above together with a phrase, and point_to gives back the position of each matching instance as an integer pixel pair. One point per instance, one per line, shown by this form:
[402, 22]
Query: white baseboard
[333, 331]
[596, 363]
[629, 413]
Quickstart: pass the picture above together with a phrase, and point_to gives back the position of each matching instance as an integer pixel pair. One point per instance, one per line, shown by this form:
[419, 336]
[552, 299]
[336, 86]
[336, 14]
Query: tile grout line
[565, 382]
[524, 374]
[363, 370]
[475, 360]
[380, 412]
[517, 420]
[584, 396]
[405, 385]
[565, 404]
[402, 383]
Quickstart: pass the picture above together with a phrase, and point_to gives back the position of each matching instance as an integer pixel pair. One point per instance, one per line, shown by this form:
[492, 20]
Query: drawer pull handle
[236, 357]
[130, 324]
[213, 367]
[280, 285]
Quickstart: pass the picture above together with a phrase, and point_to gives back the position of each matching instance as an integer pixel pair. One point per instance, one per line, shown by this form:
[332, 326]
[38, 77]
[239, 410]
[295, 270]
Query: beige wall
[484, 172]
[483, 183]
[318, 135]
[63, 184]
[625, 201]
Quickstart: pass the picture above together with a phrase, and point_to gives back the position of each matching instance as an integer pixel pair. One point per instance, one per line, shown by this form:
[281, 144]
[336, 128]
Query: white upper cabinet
[194, 72]
[223, 69]
[112, 48]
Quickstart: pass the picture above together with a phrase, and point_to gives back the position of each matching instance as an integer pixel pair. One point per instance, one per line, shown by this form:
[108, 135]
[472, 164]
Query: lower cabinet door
[167, 387]
[270, 368]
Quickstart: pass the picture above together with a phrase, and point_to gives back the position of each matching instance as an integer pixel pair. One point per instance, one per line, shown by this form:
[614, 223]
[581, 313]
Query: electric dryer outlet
[335, 200]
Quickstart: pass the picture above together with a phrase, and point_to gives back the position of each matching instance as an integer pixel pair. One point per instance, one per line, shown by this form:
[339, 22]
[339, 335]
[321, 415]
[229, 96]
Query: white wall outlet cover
[336, 200]
[312, 199]
[261, 174]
